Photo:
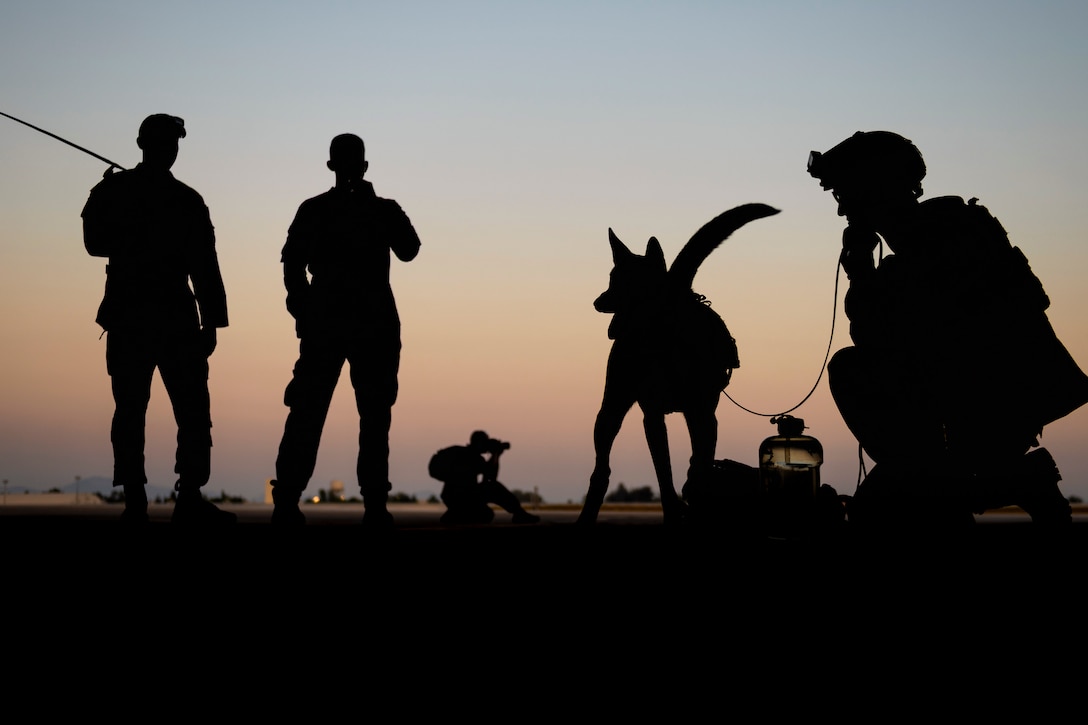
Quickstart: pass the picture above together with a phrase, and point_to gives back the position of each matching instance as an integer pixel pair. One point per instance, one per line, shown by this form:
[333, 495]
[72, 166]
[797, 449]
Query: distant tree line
[642, 494]
[117, 495]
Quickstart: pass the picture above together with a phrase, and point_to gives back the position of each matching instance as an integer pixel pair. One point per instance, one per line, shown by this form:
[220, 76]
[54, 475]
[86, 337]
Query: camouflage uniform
[158, 236]
[344, 312]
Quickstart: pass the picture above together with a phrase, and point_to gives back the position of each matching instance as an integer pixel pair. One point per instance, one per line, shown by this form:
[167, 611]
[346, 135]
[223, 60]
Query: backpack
[443, 463]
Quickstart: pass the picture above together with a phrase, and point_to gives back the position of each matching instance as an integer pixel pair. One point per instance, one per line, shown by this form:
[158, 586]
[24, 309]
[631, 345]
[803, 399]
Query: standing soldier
[344, 311]
[158, 236]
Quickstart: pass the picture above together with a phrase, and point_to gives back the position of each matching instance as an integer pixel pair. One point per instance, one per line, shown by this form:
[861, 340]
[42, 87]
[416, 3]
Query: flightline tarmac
[552, 602]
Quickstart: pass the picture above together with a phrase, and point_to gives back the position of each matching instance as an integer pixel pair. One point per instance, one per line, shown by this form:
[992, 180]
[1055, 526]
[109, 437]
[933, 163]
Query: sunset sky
[514, 134]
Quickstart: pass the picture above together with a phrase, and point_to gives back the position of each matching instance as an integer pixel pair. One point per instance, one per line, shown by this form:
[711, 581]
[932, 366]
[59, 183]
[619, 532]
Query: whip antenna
[113, 164]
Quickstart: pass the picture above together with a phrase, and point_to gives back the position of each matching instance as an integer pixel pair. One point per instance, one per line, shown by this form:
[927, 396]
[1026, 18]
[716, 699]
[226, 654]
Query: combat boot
[376, 516]
[135, 513]
[1040, 497]
[192, 509]
[286, 512]
[524, 517]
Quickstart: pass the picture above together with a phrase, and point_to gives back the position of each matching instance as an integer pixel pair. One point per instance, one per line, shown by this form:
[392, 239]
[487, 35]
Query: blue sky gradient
[515, 134]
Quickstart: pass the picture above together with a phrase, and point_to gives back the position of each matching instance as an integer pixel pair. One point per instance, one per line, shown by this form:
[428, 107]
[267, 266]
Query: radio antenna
[113, 164]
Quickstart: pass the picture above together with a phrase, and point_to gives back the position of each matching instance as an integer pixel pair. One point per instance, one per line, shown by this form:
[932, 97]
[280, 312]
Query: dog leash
[823, 367]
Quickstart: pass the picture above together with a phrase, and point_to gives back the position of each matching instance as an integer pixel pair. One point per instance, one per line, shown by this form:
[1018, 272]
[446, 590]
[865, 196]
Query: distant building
[336, 491]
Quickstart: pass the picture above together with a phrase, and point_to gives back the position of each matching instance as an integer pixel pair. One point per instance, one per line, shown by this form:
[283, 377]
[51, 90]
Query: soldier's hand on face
[858, 240]
[857, 250]
[208, 340]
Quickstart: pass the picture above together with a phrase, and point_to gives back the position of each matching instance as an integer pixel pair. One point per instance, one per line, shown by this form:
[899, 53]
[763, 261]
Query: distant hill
[103, 486]
[17, 489]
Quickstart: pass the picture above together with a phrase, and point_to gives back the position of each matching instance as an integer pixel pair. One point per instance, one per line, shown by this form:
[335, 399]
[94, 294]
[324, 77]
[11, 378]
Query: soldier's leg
[897, 416]
[466, 502]
[374, 369]
[887, 405]
[184, 370]
[307, 397]
[131, 365]
[495, 492]
[183, 366]
[1001, 465]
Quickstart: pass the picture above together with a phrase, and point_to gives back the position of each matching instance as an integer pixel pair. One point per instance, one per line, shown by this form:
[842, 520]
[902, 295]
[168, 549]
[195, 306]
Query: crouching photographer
[469, 476]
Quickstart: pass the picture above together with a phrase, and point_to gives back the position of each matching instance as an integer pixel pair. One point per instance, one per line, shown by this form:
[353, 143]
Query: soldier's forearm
[407, 250]
[294, 278]
[405, 242]
[96, 242]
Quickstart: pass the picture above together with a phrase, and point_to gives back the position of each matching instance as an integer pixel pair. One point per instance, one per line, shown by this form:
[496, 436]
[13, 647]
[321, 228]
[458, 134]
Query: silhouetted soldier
[159, 238]
[469, 475]
[344, 311]
[955, 368]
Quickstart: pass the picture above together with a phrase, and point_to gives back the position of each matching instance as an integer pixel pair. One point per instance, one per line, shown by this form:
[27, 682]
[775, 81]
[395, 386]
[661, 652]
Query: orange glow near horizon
[512, 174]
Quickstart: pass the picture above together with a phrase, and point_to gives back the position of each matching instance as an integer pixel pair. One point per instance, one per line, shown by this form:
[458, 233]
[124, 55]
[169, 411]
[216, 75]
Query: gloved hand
[857, 250]
[208, 340]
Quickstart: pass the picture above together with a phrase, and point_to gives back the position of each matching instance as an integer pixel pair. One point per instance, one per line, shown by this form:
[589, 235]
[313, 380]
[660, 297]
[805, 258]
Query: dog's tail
[713, 233]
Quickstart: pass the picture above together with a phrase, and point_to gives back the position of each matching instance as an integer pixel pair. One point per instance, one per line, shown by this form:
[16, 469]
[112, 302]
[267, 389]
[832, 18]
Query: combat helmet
[868, 159]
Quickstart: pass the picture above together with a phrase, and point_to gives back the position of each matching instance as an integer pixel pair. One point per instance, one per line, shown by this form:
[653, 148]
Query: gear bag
[443, 463]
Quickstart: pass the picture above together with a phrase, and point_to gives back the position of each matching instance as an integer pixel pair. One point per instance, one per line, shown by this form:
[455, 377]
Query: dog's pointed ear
[619, 249]
[654, 252]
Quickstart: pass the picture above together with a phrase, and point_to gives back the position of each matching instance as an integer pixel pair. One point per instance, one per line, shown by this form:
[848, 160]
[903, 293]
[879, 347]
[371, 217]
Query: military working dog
[671, 353]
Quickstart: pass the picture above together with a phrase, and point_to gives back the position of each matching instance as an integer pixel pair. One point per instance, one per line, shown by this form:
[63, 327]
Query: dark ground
[612, 614]
[628, 555]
